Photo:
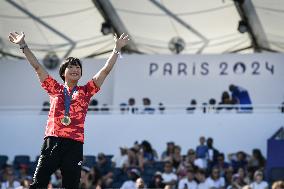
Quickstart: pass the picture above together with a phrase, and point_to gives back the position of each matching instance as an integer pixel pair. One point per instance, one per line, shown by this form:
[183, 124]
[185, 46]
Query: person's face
[158, 179]
[168, 168]
[10, 177]
[72, 72]
[131, 102]
[215, 173]
[177, 150]
[191, 155]
[171, 147]
[140, 183]
[101, 159]
[209, 142]
[240, 156]
[258, 178]
[83, 174]
[220, 159]
[200, 177]
[190, 176]
[202, 140]
[241, 172]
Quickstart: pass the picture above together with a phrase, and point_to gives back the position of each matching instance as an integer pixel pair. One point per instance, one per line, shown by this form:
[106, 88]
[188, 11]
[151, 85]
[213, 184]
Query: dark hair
[201, 171]
[258, 155]
[147, 146]
[69, 61]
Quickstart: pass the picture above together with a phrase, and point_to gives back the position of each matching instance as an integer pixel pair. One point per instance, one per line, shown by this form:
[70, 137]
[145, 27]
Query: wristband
[117, 52]
[23, 46]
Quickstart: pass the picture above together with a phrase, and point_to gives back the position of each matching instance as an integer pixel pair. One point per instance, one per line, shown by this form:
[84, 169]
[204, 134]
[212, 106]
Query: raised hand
[121, 41]
[17, 38]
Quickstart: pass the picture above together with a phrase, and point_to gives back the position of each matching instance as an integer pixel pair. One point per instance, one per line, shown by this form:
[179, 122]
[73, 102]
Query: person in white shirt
[188, 182]
[11, 183]
[259, 183]
[121, 160]
[201, 178]
[169, 177]
[133, 175]
[215, 180]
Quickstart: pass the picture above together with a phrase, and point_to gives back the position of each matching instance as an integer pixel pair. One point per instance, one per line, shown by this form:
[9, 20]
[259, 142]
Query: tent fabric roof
[73, 27]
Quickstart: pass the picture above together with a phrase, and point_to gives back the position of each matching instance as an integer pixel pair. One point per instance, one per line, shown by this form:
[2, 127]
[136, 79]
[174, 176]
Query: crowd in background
[140, 166]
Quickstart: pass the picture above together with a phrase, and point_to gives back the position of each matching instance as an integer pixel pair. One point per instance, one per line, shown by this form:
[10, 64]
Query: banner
[176, 79]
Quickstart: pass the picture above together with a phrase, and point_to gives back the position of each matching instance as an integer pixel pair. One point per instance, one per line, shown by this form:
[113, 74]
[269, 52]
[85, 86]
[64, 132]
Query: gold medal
[66, 120]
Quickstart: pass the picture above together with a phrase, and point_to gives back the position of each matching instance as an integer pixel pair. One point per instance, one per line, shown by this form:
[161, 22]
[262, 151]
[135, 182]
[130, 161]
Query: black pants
[63, 153]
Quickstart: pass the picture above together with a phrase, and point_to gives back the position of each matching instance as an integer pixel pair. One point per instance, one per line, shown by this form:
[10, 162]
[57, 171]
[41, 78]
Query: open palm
[17, 38]
[121, 41]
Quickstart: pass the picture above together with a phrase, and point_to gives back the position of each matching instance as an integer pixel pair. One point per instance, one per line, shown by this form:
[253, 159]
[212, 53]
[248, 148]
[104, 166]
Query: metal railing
[165, 109]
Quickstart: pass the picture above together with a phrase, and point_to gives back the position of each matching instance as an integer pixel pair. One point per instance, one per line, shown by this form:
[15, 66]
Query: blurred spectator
[215, 180]
[239, 180]
[149, 155]
[229, 173]
[123, 108]
[188, 182]
[131, 106]
[139, 184]
[23, 172]
[259, 183]
[25, 183]
[157, 181]
[10, 181]
[169, 177]
[238, 160]
[104, 167]
[226, 102]
[212, 153]
[7, 170]
[45, 106]
[278, 185]
[133, 175]
[204, 107]
[56, 179]
[104, 109]
[96, 178]
[256, 161]
[247, 187]
[242, 97]
[121, 160]
[85, 182]
[221, 164]
[211, 105]
[187, 163]
[147, 106]
[191, 159]
[93, 105]
[161, 108]
[192, 106]
[169, 152]
[202, 149]
[201, 178]
[134, 158]
[177, 157]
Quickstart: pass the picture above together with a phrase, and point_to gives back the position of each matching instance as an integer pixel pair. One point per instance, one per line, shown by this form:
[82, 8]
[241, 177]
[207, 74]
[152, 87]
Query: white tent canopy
[73, 27]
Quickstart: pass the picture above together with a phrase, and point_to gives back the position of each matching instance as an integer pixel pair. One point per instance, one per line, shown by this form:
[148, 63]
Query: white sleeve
[181, 184]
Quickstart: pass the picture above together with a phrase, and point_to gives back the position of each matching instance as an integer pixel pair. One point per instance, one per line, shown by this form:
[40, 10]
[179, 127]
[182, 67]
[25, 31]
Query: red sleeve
[51, 86]
[91, 88]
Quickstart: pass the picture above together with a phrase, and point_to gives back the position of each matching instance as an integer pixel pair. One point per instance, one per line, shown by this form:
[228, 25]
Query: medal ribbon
[67, 100]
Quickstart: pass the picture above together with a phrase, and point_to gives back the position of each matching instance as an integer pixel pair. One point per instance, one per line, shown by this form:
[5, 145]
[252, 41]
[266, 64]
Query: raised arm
[20, 40]
[103, 73]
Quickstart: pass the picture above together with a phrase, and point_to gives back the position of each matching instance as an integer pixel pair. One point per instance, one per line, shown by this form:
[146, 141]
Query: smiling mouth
[74, 74]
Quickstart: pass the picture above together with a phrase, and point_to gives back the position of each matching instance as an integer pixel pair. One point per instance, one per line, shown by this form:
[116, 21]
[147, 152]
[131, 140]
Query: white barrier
[23, 134]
